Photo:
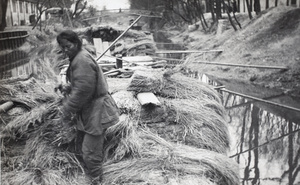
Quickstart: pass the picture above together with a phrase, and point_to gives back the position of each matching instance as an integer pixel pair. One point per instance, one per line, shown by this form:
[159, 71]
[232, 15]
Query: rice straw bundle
[161, 161]
[117, 84]
[21, 125]
[33, 176]
[28, 93]
[146, 81]
[126, 102]
[41, 151]
[201, 126]
[151, 114]
[171, 84]
[177, 85]
[122, 139]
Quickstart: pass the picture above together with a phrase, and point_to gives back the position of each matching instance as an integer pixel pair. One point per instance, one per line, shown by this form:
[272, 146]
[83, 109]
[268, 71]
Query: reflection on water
[15, 63]
[265, 145]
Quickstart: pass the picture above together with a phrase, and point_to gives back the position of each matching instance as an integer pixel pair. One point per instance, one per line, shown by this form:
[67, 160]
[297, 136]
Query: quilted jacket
[89, 98]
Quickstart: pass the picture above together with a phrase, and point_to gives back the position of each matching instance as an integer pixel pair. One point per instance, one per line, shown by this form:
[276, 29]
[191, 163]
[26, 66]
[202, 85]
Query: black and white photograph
[150, 92]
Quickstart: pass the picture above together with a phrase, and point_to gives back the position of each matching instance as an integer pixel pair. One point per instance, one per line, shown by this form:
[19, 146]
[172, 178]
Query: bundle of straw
[171, 84]
[177, 85]
[192, 114]
[122, 139]
[162, 162]
[126, 102]
[28, 93]
[30, 176]
[200, 126]
[146, 81]
[44, 162]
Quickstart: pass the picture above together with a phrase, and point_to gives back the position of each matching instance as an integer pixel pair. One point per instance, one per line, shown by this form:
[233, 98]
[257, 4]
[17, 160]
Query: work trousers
[92, 152]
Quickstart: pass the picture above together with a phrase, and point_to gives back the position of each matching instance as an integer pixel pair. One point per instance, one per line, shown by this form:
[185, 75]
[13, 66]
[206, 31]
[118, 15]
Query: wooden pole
[243, 65]
[228, 64]
[261, 100]
[250, 102]
[185, 51]
[113, 43]
[268, 142]
[173, 59]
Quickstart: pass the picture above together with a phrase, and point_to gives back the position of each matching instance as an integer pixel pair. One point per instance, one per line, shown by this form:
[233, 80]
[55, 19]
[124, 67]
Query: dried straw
[201, 126]
[146, 81]
[162, 162]
[126, 102]
[31, 176]
[177, 85]
[122, 139]
[52, 164]
[171, 84]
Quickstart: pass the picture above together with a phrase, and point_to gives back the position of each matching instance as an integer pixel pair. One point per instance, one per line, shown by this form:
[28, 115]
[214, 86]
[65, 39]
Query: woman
[88, 102]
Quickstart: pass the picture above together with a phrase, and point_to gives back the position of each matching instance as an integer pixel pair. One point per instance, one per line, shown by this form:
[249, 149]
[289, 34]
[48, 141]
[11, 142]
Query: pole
[244, 65]
[261, 100]
[228, 64]
[113, 43]
[186, 51]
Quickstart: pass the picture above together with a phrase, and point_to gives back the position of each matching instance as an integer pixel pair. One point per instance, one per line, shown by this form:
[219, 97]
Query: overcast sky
[110, 4]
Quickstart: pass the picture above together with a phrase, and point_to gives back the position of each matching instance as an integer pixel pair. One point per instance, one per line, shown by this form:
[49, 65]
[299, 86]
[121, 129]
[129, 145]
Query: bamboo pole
[228, 64]
[219, 87]
[261, 100]
[250, 102]
[185, 51]
[113, 43]
[170, 59]
[243, 65]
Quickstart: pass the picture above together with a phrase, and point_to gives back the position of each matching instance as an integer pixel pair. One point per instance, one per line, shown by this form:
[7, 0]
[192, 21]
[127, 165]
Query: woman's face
[69, 48]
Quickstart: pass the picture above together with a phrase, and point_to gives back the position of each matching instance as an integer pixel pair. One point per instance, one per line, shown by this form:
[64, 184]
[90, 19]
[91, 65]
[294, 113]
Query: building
[21, 12]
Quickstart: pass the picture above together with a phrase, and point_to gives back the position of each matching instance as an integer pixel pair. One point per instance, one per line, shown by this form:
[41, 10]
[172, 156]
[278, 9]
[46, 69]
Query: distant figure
[88, 104]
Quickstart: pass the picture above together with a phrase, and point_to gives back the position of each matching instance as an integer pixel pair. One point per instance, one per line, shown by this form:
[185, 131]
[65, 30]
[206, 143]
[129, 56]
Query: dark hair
[70, 36]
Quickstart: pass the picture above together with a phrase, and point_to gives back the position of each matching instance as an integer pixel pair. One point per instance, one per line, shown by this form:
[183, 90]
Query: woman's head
[69, 42]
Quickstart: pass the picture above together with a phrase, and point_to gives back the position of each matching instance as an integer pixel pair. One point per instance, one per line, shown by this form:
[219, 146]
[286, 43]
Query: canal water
[265, 138]
[14, 63]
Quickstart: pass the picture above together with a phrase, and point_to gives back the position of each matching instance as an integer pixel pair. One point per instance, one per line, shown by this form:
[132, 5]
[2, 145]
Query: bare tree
[218, 9]
[257, 8]
[249, 9]
[267, 4]
[78, 10]
[228, 13]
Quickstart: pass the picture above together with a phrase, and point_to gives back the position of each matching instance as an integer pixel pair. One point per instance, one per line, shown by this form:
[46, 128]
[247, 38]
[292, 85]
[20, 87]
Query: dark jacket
[89, 99]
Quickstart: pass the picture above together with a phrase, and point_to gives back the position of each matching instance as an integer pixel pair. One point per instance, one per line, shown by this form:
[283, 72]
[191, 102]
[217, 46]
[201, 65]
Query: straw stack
[183, 141]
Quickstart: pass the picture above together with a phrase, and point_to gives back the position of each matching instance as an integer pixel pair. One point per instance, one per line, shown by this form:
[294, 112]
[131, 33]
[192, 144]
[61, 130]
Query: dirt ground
[269, 39]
